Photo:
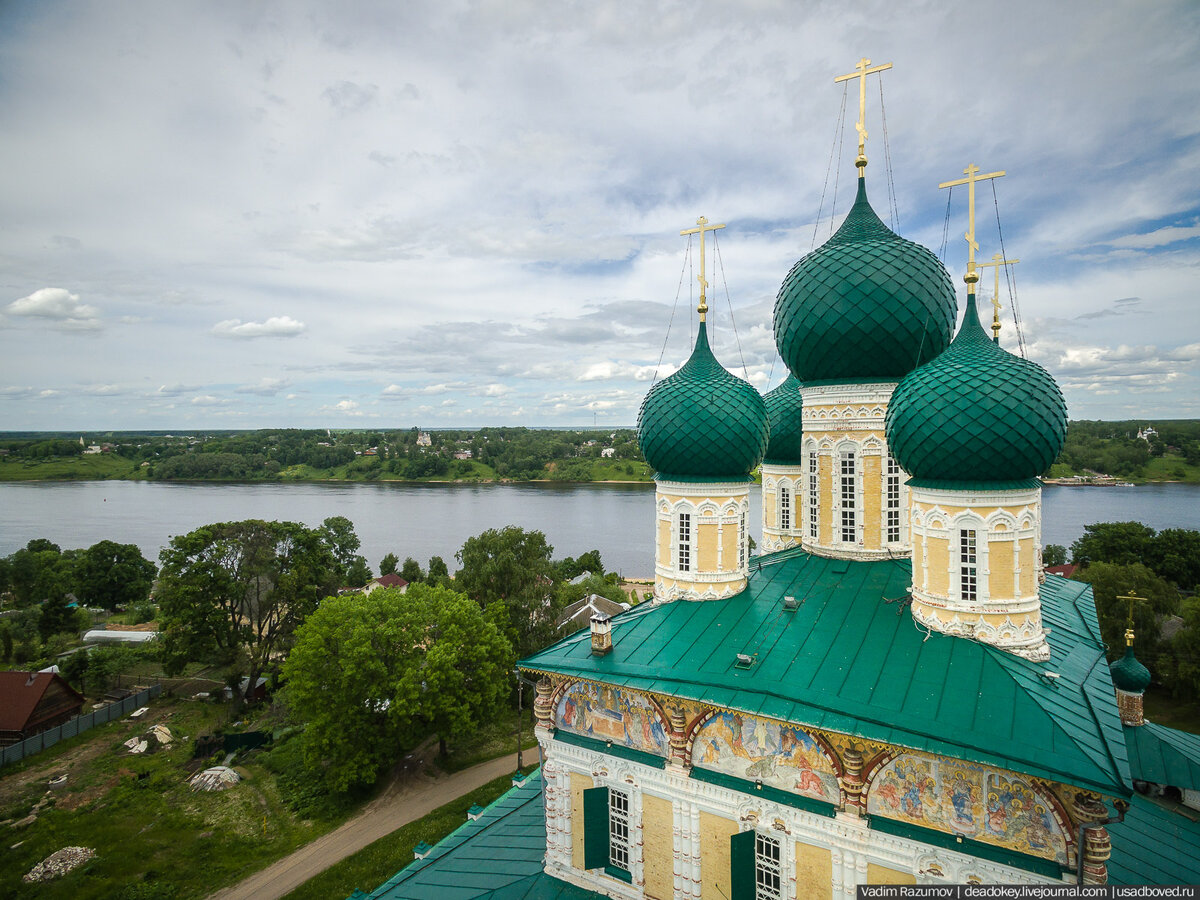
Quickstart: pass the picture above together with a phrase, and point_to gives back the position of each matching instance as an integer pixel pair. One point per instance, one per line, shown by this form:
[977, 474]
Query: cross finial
[701, 227]
[971, 171]
[1129, 630]
[863, 70]
[997, 262]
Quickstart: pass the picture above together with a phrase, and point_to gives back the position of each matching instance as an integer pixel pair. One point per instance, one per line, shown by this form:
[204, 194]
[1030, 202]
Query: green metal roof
[784, 407]
[1156, 844]
[702, 421]
[1163, 755]
[976, 413]
[497, 856]
[849, 661]
[867, 305]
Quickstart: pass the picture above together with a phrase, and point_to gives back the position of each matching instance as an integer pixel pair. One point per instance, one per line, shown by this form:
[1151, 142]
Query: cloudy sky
[241, 215]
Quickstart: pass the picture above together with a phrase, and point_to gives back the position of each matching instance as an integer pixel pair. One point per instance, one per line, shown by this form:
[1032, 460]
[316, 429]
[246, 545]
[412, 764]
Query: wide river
[424, 520]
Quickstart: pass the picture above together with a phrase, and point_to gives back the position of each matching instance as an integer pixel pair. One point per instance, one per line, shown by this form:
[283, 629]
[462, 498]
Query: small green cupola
[784, 407]
[703, 423]
[1128, 674]
[867, 306]
[976, 414]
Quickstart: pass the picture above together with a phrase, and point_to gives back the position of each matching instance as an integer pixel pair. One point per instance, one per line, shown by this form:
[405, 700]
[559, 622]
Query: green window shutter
[595, 827]
[741, 866]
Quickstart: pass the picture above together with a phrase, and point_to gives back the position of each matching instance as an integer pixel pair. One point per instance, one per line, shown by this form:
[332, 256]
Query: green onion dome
[866, 306]
[976, 413]
[703, 422]
[784, 405]
[1128, 674]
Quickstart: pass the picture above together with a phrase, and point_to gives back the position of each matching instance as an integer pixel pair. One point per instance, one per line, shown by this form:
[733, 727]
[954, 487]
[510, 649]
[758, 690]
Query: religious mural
[610, 714]
[965, 799]
[759, 749]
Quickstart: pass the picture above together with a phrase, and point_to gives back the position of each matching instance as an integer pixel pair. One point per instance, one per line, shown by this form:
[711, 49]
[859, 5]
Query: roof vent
[601, 634]
[791, 604]
[744, 661]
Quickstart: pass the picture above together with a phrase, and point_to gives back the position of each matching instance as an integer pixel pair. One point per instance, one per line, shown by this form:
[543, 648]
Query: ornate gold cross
[702, 226]
[1129, 629]
[972, 177]
[997, 262]
[861, 127]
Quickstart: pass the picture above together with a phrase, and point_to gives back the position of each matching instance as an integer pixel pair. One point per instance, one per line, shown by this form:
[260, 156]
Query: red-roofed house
[386, 581]
[31, 702]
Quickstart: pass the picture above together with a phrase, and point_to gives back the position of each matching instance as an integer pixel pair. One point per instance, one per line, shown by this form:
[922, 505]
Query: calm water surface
[424, 520]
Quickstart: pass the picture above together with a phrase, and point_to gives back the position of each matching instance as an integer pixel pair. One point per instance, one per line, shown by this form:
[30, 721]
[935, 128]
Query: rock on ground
[59, 863]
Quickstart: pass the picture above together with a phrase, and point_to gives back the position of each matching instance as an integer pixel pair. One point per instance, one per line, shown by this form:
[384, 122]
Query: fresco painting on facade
[610, 714]
[949, 795]
[761, 750]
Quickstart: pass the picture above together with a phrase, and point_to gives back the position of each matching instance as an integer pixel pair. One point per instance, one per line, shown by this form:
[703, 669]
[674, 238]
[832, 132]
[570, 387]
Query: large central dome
[703, 422]
[866, 306]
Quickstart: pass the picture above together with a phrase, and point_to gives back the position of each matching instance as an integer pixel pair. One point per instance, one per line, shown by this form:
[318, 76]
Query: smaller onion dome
[976, 413]
[784, 406]
[703, 422]
[1128, 674]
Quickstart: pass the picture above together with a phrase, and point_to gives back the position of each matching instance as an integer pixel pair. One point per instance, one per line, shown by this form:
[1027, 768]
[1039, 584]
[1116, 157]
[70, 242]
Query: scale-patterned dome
[702, 422]
[1128, 674]
[976, 413]
[784, 405]
[865, 306]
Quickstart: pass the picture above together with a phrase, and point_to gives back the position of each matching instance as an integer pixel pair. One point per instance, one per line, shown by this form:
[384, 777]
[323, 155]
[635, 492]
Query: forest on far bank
[1156, 450]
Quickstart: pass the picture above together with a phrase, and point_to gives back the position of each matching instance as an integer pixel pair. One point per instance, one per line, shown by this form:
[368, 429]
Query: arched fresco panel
[960, 798]
[610, 714]
[758, 749]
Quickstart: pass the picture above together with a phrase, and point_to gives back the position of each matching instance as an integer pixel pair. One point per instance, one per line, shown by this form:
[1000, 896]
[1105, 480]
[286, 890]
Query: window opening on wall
[685, 542]
[618, 829]
[892, 500]
[814, 496]
[968, 565]
[849, 497]
[768, 872]
[785, 508]
[743, 540]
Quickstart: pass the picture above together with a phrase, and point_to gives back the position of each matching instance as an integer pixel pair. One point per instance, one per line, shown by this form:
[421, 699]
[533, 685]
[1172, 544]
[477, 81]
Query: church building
[893, 692]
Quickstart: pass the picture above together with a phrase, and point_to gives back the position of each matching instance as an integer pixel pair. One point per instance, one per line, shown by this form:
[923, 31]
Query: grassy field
[376, 863]
[1162, 709]
[99, 467]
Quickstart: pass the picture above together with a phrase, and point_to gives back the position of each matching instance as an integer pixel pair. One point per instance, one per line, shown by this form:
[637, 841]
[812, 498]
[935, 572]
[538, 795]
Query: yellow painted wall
[872, 501]
[814, 873]
[1000, 570]
[658, 847]
[1028, 568]
[729, 547]
[883, 875]
[771, 510]
[918, 547]
[704, 548]
[664, 542]
[938, 559]
[579, 783]
[715, 833]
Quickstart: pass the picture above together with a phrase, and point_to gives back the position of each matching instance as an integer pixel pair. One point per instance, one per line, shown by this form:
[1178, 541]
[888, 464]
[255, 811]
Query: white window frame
[848, 518]
[968, 564]
[892, 519]
[768, 867]
[683, 542]
[620, 847]
[814, 495]
[785, 507]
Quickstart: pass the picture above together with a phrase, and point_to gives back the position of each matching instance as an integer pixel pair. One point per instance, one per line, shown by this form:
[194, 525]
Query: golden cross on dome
[864, 69]
[971, 172]
[1129, 630]
[997, 262]
[702, 226]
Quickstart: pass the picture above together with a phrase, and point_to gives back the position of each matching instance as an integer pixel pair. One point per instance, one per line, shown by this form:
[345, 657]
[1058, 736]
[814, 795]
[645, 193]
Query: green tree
[411, 571]
[6, 642]
[1122, 543]
[114, 575]
[359, 572]
[343, 543]
[1054, 555]
[1175, 555]
[75, 667]
[368, 676]
[437, 568]
[513, 565]
[387, 565]
[236, 592]
[1111, 584]
[56, 617]
[1184, 655]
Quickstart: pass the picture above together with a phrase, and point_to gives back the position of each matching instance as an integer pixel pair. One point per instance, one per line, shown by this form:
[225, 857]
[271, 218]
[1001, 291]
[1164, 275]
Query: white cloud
[266, 387]
[60, 306]
[1160, 237]
[276, 326]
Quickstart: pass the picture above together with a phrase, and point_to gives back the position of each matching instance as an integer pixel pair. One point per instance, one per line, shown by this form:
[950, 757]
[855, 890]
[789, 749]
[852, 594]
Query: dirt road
[397, 806]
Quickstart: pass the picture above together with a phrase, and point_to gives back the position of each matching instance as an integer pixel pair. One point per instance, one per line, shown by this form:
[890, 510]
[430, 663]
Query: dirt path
[399, 805]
